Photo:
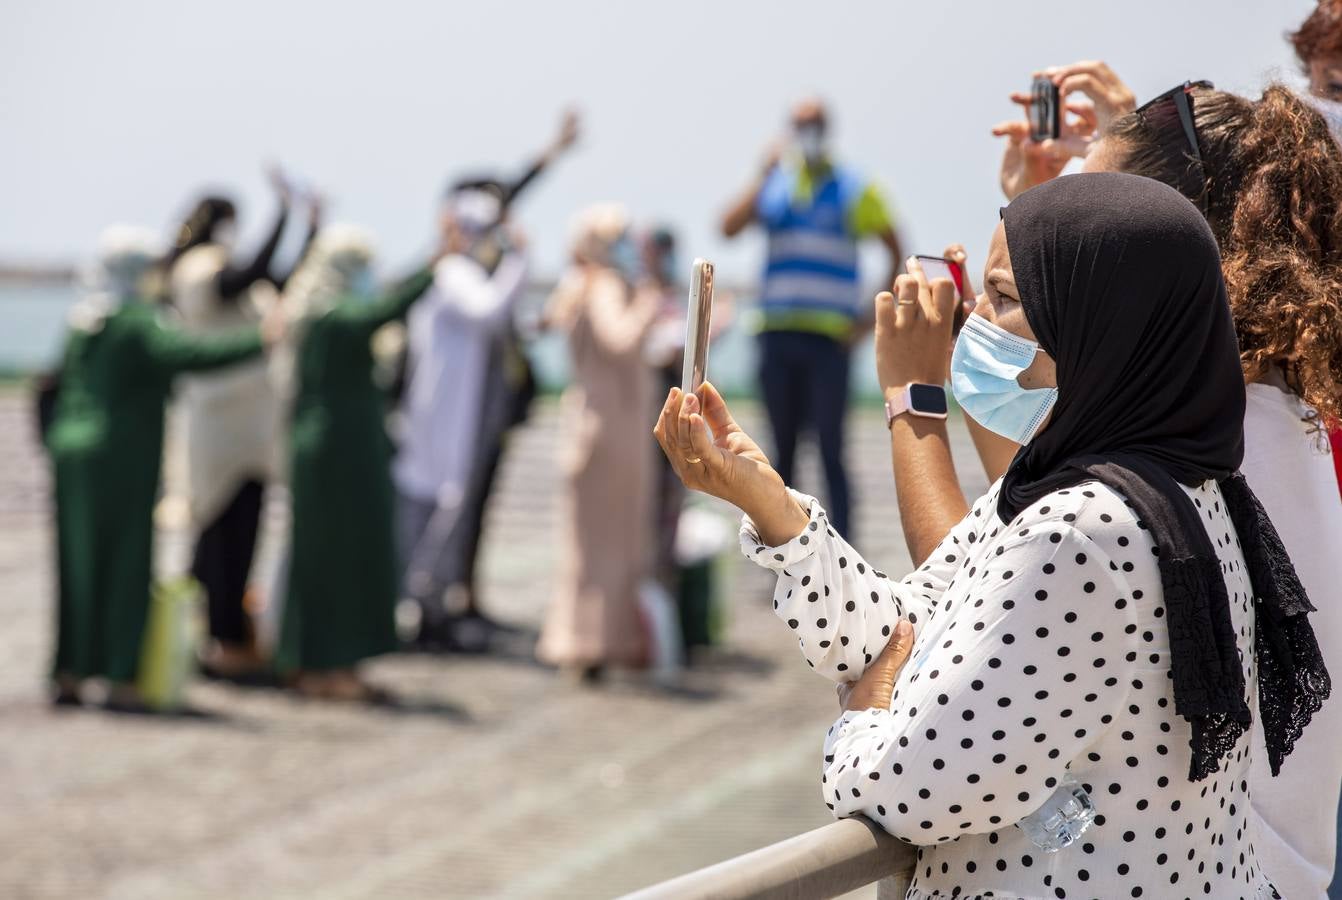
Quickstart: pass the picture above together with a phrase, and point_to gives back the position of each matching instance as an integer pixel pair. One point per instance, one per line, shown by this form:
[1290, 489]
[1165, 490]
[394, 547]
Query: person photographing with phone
[1268, 177]
[593, 621]
[1063, 288]
[815, 212]
[1093, 615]
[467, 384]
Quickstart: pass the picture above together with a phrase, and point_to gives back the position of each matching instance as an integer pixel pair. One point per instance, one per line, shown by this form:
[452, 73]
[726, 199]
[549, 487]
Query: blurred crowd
[390, 441]
[385, 412]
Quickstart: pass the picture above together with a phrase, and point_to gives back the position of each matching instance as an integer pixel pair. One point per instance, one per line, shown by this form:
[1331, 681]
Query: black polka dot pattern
[1040, 650]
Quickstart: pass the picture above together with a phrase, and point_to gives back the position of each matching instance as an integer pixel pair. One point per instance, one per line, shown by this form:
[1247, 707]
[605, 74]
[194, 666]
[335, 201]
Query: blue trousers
[804, 379]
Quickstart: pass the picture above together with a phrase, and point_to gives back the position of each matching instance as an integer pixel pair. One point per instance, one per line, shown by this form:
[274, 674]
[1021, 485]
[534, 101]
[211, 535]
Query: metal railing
[826, 862]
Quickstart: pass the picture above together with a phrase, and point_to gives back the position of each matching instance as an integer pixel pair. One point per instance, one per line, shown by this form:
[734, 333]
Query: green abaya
[343, 571]
[106, 443]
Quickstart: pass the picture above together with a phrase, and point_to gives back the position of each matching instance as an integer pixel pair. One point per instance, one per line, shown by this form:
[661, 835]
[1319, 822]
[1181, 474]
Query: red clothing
[1335, 438]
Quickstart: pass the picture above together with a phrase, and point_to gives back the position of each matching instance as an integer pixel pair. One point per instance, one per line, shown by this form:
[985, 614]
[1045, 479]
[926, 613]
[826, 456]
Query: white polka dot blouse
[1040, 648]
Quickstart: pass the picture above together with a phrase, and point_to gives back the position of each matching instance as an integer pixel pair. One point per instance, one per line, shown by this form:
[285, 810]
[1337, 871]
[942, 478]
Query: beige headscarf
[335, 265]
[338, 259]
[593, 232]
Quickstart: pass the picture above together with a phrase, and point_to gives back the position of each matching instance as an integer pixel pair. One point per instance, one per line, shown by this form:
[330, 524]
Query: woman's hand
[913, 329]
[274, 326]
[874, 688]
[969, 297]
[570, 126]
[726, 463]
[279, 183]
[1094, 79]
[316, 209]
[1027, 162]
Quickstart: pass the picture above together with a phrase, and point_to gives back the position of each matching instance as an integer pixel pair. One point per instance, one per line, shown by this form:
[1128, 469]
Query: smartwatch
[926, 400]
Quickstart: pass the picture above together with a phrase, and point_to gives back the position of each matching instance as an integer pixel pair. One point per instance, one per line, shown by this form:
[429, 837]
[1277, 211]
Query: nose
[982, 306]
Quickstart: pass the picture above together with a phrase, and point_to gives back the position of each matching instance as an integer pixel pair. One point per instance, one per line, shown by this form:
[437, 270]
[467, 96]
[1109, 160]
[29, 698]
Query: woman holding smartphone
[1267, 175]
[593, 620]
[1093, 615]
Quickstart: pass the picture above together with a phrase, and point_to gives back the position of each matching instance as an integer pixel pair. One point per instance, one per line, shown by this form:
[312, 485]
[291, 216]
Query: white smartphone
[696, 326]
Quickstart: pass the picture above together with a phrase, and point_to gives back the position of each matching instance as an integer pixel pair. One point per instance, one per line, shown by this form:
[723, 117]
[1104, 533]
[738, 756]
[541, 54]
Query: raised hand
[958, 257]
[773, 152]
[710, 453]
[570, 127]
[1094, 79]
[1027, 162]
[913, 330]
[316, 209]
[279, 183]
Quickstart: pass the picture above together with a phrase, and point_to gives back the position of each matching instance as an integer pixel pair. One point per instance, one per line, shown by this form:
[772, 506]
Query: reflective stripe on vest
[810, 279]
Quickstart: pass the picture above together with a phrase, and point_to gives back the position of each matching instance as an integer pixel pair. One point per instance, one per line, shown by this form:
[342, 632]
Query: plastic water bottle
[1062, 819]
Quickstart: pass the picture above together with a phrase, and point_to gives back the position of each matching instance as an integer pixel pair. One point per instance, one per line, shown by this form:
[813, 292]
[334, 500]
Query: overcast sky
[123, 111]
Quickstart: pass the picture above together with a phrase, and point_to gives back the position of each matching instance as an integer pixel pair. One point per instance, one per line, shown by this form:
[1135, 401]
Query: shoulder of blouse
[1090, 508]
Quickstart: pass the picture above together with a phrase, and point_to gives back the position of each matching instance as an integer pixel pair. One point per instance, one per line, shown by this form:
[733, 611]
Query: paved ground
[496, 779]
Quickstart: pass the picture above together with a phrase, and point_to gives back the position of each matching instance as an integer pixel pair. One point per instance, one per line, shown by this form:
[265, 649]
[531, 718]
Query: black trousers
[804, 378]
[223, 560]
[473, 516]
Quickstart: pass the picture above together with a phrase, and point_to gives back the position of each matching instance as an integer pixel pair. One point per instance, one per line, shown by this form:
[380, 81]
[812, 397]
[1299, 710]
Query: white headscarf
[126, 254]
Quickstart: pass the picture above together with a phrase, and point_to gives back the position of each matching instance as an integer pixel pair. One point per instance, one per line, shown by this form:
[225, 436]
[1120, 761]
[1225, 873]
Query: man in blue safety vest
[811, 308]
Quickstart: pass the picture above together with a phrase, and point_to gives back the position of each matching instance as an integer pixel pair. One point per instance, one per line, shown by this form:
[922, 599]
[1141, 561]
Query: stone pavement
[495, 777]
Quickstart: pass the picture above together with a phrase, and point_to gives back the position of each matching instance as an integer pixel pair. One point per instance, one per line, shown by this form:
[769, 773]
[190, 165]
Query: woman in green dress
[106, 442]
[342, 581]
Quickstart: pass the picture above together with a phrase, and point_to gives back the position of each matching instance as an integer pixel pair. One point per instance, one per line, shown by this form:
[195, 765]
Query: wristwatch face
[927, 399]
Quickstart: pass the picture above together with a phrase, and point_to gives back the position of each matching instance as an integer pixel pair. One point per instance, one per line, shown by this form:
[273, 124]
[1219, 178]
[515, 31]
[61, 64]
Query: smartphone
[939, 267]
[696, 326]
[1045, 115]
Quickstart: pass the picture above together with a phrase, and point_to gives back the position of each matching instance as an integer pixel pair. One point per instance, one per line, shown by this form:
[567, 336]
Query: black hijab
[1120, 279]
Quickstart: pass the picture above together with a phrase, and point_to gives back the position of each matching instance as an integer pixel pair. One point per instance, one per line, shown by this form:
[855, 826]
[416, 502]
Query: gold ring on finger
[694, 460]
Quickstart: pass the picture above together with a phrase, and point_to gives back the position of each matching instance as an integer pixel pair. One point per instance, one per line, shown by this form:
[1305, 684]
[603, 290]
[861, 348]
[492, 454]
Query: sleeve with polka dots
[842, 609]
[1023, 672]
[935, 572]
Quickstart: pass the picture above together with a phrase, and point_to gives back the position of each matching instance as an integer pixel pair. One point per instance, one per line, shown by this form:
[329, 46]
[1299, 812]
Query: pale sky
[123, 111]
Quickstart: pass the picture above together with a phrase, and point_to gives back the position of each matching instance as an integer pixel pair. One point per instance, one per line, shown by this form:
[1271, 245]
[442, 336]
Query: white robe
[224, 426]
[450, 335]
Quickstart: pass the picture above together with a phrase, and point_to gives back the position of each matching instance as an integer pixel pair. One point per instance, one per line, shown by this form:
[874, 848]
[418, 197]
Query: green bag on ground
[699, 616]
[168, 652]
[702, 536]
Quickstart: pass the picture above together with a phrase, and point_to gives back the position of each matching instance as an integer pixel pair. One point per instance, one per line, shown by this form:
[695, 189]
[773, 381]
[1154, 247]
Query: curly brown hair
[1320, 35]
[1270, 184]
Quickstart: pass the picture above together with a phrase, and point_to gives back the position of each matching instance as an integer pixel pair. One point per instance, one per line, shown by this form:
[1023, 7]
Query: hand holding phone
[935, 267]
[697, 326]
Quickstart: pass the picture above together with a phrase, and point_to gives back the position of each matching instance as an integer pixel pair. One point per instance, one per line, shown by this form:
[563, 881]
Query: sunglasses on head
[1180, 98]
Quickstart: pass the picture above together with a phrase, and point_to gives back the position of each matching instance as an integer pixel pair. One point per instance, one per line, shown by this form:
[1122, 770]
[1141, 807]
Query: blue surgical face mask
[811, 143]
[624, 257]
[984, 367]
[363, 284]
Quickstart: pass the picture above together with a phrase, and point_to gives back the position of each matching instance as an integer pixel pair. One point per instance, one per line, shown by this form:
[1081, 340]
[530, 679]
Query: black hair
[199, 227]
